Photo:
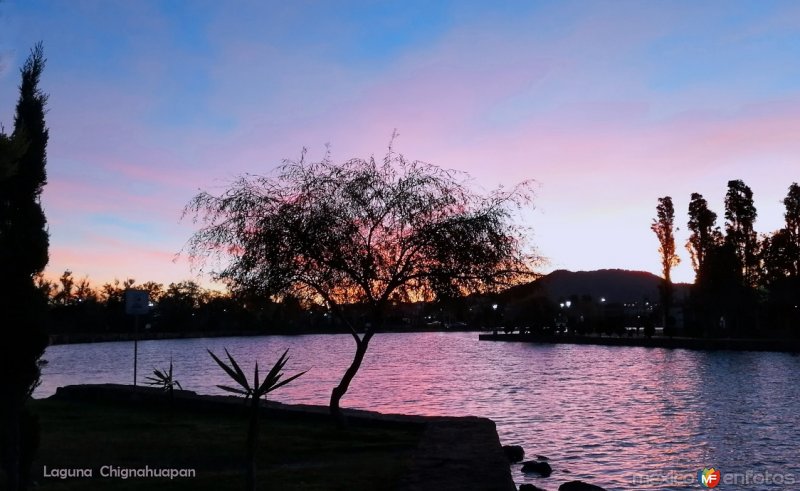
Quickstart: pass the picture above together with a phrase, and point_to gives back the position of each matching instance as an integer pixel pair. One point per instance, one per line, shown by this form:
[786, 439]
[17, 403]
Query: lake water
[622, 418]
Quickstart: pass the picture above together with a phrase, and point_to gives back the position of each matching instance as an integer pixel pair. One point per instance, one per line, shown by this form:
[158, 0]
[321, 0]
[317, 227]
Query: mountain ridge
[614, 285]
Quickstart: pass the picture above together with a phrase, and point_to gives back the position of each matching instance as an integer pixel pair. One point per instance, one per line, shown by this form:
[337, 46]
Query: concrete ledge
[458, 453]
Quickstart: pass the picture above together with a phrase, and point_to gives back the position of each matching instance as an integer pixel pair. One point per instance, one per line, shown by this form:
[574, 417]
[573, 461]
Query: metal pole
[135, 346]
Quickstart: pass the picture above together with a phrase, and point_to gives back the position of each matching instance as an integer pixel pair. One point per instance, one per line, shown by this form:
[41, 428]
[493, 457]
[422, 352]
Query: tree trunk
[340, 390]
[252, 442]
[666, 302]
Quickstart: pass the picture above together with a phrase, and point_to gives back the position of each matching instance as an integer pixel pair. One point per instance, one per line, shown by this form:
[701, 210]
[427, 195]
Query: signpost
[137, 302]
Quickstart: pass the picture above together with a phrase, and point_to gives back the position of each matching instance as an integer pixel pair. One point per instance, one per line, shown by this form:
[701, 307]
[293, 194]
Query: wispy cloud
[5, 62]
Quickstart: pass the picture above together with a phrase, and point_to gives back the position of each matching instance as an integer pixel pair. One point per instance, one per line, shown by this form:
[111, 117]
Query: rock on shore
[514, 453]
[541, 468]
[529, 487]
[579, 486]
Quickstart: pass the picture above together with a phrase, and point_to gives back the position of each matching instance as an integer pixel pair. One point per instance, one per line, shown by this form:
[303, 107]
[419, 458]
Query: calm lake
[621, 418]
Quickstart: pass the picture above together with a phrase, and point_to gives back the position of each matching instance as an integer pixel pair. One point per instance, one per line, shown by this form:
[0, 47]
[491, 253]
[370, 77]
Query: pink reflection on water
[605, 414]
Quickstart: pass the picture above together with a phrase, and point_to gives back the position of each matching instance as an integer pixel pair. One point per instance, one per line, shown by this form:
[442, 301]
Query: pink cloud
[104, 259]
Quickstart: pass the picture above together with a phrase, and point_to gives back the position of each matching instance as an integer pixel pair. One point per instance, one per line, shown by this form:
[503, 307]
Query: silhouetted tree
[792, 216]
[46, 287]
[187, 292]
[719, 298]
[64, 295]
[113, 294]
[729, 304]
[84, 291]
[776, 260]
[740, 216]
[705, 235]
[360, 234]
[780, 260]
[663, 226]
[723, 298]
[179, 305]
[23, 249]
[154, 290]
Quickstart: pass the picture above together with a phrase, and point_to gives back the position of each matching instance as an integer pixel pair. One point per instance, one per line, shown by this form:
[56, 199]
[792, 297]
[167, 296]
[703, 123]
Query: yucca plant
[254, 392]
[164, 380]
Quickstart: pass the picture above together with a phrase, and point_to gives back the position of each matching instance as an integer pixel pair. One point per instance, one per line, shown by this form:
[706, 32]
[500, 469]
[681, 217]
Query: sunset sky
[607, 105]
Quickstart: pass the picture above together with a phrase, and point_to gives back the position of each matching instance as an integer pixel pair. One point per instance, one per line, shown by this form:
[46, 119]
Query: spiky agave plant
[164, 380]
[254, 392]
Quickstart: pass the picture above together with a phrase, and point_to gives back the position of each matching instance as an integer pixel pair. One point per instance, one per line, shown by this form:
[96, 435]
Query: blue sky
[607, 105]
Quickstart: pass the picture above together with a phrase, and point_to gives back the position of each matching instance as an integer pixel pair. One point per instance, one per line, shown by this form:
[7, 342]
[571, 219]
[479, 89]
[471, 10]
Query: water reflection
[605, 414]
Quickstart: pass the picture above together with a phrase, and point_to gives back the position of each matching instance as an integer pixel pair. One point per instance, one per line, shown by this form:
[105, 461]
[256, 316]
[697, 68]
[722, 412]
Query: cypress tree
[24, 251]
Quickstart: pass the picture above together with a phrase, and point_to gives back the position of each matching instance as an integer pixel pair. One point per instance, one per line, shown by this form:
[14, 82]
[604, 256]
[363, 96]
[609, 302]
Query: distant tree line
[76, 306]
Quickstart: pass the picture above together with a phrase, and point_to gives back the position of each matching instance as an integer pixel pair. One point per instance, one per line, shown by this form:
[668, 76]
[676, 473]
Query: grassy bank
[293, 454]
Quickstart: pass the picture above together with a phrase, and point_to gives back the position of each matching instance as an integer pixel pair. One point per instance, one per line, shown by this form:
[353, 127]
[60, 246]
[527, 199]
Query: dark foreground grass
[292, 455]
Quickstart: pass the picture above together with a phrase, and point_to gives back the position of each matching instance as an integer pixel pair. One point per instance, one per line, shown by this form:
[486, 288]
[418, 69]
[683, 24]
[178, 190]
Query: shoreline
[707, 344]
[82, 338]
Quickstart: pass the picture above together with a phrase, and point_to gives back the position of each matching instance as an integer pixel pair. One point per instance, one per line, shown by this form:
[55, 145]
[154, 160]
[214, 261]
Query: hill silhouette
[615, 285]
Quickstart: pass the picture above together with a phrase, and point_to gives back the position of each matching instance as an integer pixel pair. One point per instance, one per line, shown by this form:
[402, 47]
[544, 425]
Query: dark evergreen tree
[792, 215]
[780, 261]
[704, 233]
[718, 292]
[10, 151]
[725, 298]
[23, 248]
[719, 297]
[740, 216]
